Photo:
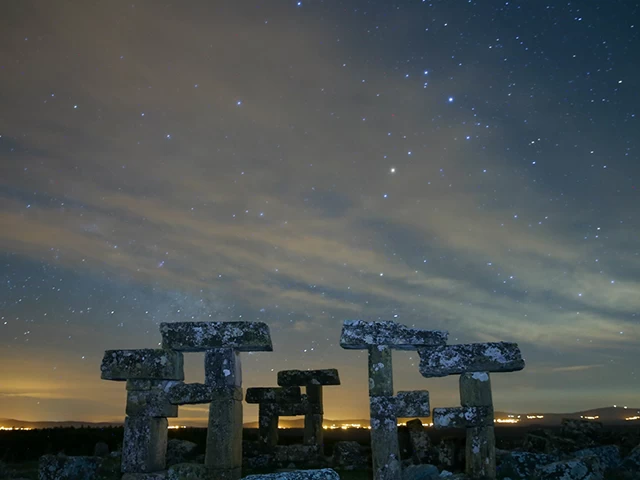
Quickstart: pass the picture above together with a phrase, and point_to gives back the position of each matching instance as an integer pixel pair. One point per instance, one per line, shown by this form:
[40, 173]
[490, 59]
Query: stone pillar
[224, 434]
[480, 454]
[385, 450]
[274, 402]
[268, 418]
[313, 433]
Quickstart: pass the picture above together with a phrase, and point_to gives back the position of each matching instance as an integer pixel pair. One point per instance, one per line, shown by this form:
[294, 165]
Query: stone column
[268, 418]
[313, 433]
[224, 433]
[480, 454]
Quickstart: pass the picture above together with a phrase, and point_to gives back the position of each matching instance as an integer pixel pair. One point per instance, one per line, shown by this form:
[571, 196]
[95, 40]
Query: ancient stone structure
[379, 339]
[312, 381]
[155, 390]
[473, 362]
[273, 402]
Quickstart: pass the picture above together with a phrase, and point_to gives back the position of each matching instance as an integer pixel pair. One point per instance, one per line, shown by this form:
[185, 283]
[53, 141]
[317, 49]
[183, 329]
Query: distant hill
[606, 415]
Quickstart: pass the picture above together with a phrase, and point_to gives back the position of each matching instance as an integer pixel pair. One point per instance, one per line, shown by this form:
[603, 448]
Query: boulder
[349, 455]
[521, 465]
[323, 474]
[586, 468]
[101, 449]
[61, 467]
[420, 472]
[632, 461]
[180, 451]
[189, 471]
[609, 455]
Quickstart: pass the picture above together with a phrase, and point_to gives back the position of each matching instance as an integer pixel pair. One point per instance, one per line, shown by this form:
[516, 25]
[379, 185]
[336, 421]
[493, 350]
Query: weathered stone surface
[522, 465]
[150, 384]
[101, 449]
[609, 455]
[462, 417]
[224, 433]
[586, 468]
[380, 371]
[180, 451]
[202, 336]
[190, 394]
[222, 368]
[61, 467]
[150, 403]
[359, 335]
[295, 409]
[451, 452]
[301, 378]
[385, 450]
[475, 390]
[145, 476]
[412, 404]
[189, 471]
[473, 357]
[142, 364]
[144, 445]
[419, 441]
[314, 394]
[322, 474]
[420, 472]
[268, 416]
[296, 453]
[313, 432]
[226, 473]
[349, 455]
[281, 395]
[480, 452]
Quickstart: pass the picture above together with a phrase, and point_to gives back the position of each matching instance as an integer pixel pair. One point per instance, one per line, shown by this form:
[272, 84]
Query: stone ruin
[288, 400]
[472, 361]
[155, 389]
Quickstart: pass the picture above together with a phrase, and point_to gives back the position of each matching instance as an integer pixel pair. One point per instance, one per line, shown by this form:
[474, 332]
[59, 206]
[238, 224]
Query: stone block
[150, 403]
[224, 433]
[234, 473]
[145, 476]
[462, 417]
[189, 471]
[301, 378]
[142, 364]
[298, 454]
[148, 384]
[380, 371]
[413, 404]
[293, 409]
[480, 452]
[313, 432]
[314, 394]
[419, 441]
[360, 335]
[475, 390]
[145, 444]
[321, 474]
[268, 417]
[473, 357]
[222, 368]
[61, 467]
[385, 449]
[280, 395]
[190, 393]
[203, 336]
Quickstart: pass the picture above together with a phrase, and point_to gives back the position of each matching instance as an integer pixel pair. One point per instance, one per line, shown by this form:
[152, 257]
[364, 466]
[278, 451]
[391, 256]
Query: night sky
[470, 166]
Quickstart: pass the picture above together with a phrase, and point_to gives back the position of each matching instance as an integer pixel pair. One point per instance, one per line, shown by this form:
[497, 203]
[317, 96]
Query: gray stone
[145, 476]
[180, 451]
[268, 417]
[522, 465]
[322, 474]
[301, 378]
[224, 433]
[222, 368]
[150, 403]
[101, 449]
[294, 409]
[143, 364]
[385, 450]
[586, 468]
[420, 472]
[480, 452]
[360, 335]
[61, 467]
[474, 357]
[380, 371]
[145, 444]
[412, 404]
[191, 393]
[151, 384]
[349, 455]
[632, 461]
[313, 432]
[299, 454]
[609, 455]
[462, 417]
[280, 395]
[475, 390]
[419, 441]
[189, 471]
[203, 336]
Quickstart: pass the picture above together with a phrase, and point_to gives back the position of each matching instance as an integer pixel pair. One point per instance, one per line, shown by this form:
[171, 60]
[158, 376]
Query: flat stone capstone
[202, 336]
[473, 357]
[142, 364]
[301, 378]
[360, 335]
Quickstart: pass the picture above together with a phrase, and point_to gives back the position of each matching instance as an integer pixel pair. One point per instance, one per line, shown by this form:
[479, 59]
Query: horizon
[469, 167]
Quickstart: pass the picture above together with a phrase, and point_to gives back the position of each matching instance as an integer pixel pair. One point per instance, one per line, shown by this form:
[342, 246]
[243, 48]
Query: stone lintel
[142, 364]
[203, 336]
[293, 409]
[413, 404]
[302, 378]
[462, 417]
[150, 403]
[360, 335]
[280, 395]
[191, 394]
[473, 357]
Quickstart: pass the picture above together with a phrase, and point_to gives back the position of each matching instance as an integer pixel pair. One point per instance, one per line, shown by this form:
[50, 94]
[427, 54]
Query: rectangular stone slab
[273, 395]
[413, 404]
[150, 403]
[359, 335]
[472, 357]
[203, 336]
[462, 417]
[191, 394]
[301, 378]
[145, 363]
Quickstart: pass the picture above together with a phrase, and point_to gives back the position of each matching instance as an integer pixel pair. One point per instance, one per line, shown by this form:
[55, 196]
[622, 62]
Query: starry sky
[470, 166]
